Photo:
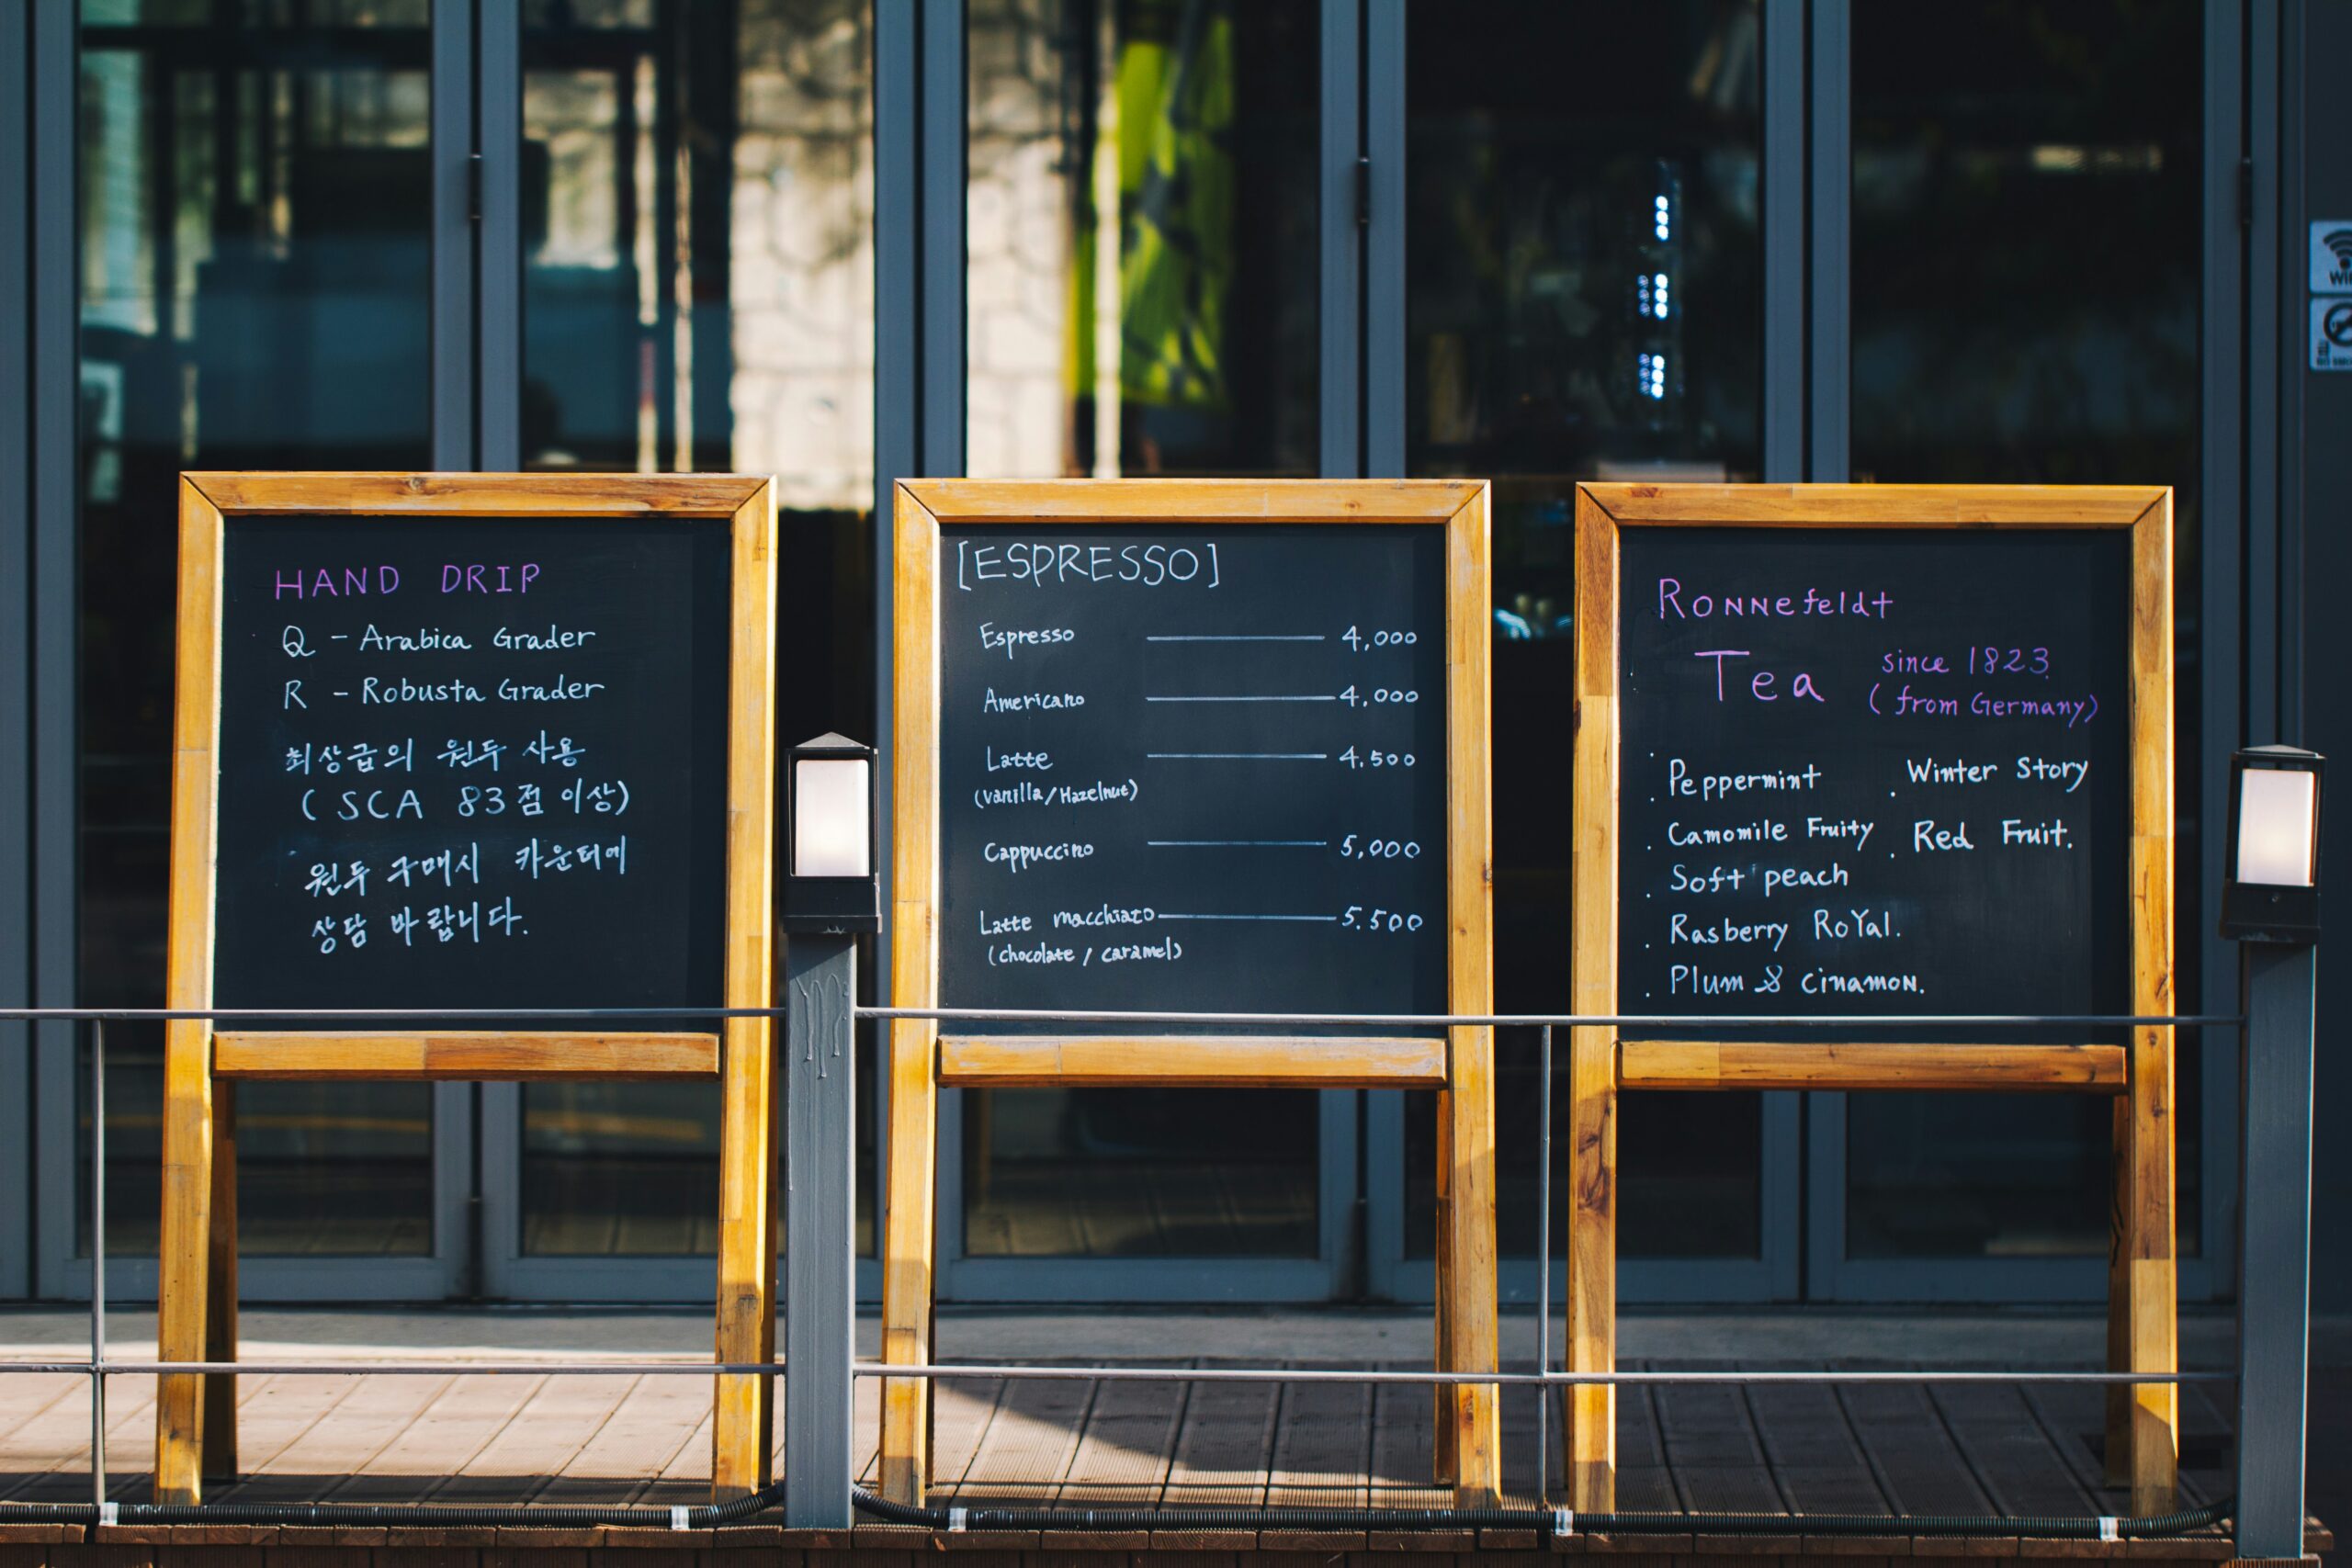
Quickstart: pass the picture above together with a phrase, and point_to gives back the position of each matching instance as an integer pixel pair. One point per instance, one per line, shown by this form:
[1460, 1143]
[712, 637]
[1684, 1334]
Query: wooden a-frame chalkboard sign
[1867, 751]
[1201, 747]
[467, 742]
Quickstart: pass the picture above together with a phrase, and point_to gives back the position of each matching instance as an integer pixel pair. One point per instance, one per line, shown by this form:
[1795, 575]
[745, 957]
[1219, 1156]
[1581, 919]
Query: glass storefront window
[254, 263]
[1584, 287]
[698, 294]
[1141, 285]
[2005, 157]
[1141, 242]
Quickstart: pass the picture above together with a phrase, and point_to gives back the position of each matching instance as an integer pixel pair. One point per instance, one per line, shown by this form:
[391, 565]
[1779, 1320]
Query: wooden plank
[1193, 501]
[255, 493]
[1127, 1445]
[2150, 1303]
[1796, 1064]
[485, 1055]
[1323, 1447]
[1051, 1060]
[1911, 1456]
[2008, 1452]
[549, 1430]
[1813, 1457]
[1030, 1443]
[1714, 1451]
[1876, 506]
[185, 1244]
[1589, 1412]
[1468, 1300]
[742, 1431]
[1225, 1450]
[908, 1193]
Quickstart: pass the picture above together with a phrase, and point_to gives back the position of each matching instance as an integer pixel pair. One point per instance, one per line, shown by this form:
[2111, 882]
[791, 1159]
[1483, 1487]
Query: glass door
[1140, 279]
[1583, 299]
[696, 256]
[2002, 157]
[256, 256]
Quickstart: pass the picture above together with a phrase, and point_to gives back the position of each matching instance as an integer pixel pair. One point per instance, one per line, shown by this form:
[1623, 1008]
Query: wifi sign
[2332, 257]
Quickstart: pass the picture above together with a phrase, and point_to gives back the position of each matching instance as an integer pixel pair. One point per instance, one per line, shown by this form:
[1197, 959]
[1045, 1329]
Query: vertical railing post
[2274, 1245]
[97, 1260]
[819, 1207]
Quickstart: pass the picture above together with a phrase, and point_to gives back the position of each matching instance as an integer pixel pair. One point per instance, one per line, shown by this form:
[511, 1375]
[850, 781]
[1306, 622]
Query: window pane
[698, 294]
[2026, 228]
[1181, 340]
[254, 238]
[1584, 293]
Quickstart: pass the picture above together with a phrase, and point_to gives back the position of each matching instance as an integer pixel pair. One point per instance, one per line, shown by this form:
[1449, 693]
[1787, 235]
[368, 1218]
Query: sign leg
[746, 1328]
[1445, 1462]
[220, 1290]
[1472, 1331]
[2275, 1249]
[821, 1197]
[2116, 1468]
[1590, 1408]
[909, 1199]
[2154, 1296]
[185, 1256]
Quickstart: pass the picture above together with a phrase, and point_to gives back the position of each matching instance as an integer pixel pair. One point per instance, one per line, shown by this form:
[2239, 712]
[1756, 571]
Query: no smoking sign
[2332, 333]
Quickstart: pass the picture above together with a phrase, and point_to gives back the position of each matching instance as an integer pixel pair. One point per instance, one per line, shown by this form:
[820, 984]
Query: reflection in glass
[1141, 242]
[254, 230]
[2026, 291]
[1140, 284]
[698, 294]
[1584, 283]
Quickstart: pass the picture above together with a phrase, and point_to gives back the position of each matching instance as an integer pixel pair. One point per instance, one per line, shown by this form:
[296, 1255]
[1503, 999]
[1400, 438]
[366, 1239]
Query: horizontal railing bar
[407, 1368]
[443, 1016]
[1276, 1374]
[1587, 1021]
[1102, 1374]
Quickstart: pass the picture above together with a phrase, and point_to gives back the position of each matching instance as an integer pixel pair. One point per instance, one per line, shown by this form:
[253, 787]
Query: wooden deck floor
[547, 1439]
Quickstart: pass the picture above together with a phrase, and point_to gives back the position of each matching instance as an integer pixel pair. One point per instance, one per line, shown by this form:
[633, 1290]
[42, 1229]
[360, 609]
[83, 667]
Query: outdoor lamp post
[830, 894]
[829, 886]
[2271, 905]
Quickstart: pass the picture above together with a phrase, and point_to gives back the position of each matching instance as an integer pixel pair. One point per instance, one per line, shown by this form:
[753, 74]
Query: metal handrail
[99, 1367]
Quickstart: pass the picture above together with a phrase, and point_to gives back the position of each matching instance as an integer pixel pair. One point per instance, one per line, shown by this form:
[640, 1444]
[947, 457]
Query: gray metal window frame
[59, 1269]
[2233, 519]
[1773, 1273]
[2250, 500]
[16, 656]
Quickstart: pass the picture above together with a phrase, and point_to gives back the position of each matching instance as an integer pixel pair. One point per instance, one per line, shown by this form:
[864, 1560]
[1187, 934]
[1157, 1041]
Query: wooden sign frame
[1461, 1066]
[197, 1277]
[2143, 1330]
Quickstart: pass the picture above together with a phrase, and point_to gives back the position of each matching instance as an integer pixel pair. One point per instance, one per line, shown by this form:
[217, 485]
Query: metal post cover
[2275, 1246]
[820, 1204]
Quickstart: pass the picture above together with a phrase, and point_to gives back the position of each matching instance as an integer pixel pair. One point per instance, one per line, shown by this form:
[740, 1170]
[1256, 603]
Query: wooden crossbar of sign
[467, 742]
[1870, 750]
[1193, 746]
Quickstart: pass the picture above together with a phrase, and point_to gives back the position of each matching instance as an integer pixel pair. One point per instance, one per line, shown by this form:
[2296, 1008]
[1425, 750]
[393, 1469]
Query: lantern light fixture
[829, 883]
[2270, 892]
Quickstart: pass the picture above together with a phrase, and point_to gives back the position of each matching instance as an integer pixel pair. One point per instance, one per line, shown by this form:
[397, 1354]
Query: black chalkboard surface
[1193, 768]
[1874, 771]
[473, 765]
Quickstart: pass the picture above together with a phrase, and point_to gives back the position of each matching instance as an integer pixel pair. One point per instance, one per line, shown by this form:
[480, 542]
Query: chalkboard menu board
[1193, 768]
[1874, 771]
[473, 763]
